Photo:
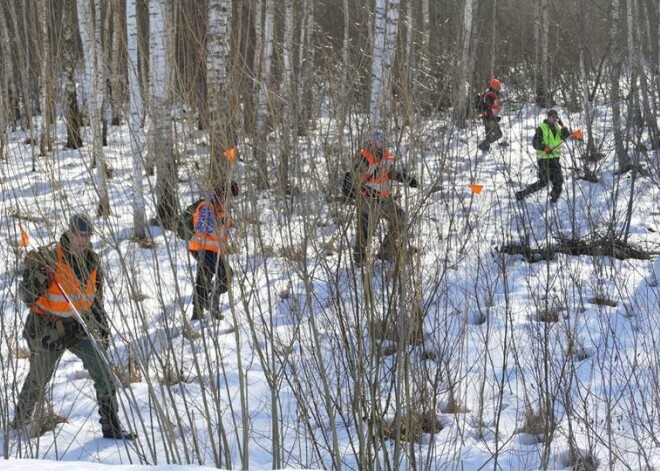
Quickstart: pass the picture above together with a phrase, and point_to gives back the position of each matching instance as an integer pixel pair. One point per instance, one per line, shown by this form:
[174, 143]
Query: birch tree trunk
[288, 103]
[634, 113]
[265, 53]
[72, 113]
[346, 62]
[116, 77]
[386, 24]
[23, 61]
[648, 100]
[306, 68]
[9, 103]
[462, 65]
[45, 139]
[162, 149]
[89, 14]
[134, 119]
[542, 78]
[216, 77]
[615, 89]
[591, 153]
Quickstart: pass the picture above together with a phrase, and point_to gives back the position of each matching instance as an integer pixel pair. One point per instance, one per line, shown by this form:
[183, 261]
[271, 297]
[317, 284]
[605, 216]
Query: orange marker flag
[25, 238]
[231, 154]
[476, 189]
[577, 134]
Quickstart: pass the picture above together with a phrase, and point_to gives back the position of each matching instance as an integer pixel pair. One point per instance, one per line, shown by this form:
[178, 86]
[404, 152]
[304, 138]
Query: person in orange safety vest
[208, 245]
[62, 285]
[490, 114]
[373, 170]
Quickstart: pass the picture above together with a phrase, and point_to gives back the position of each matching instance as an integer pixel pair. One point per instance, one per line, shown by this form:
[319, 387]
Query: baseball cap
[553, 112]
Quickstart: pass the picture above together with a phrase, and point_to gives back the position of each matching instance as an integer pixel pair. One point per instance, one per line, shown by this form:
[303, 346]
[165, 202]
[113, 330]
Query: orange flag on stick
[25, 238]
[231, 154]
[476, 189]
[577, 134]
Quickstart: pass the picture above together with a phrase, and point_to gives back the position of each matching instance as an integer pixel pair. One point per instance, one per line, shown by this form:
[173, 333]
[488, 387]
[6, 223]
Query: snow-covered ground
[521, 363]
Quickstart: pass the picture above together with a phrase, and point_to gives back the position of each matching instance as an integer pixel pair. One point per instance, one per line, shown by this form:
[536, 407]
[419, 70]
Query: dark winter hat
[553, 112]
[81, 223]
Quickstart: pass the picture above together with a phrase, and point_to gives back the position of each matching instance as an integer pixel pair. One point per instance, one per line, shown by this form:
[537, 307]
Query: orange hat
[494, 83]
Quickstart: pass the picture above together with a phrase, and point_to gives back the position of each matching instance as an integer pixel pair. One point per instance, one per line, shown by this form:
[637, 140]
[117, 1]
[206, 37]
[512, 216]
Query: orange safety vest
[210, 235]
[495, 108]
[66, 293]
[376, 180]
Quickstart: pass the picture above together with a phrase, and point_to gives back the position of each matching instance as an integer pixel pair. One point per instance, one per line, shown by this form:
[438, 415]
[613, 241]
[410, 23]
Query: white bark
[306, 60]
[45, 141]
[89, 14]
[134, 119]
[615, 93]
[8, 85]
[463, 59]
[160, 53]
[386, 24]
[543, 39]
[265, 52]
[216, 59]
[345, 57]
[216, 78]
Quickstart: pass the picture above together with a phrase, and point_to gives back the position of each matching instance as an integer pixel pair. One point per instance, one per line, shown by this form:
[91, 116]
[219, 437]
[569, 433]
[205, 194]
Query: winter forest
[506, 335]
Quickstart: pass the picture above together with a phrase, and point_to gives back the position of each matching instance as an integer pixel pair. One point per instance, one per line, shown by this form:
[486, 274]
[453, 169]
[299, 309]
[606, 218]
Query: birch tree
[134, 118]
[162, 149]
[462, 65]
[649, 101]
[9, 93]
[288, 99]
[72, 113]
[386, 24]
[615, 87]
[264, 50]
[45, 139]
[306, 60]
[216, 77]
[541, 77]
[89, 19]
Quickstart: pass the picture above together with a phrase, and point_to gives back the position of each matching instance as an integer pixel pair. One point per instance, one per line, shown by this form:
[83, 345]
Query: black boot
[110, 425]
[198, 310]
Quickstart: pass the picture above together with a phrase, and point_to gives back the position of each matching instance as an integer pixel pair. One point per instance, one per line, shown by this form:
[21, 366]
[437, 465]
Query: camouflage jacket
[35, 281]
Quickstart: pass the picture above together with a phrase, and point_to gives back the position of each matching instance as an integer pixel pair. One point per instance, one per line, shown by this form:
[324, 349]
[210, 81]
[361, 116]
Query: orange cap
[494, 83]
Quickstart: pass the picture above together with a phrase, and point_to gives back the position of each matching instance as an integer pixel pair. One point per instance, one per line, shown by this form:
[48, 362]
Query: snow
[295, 316]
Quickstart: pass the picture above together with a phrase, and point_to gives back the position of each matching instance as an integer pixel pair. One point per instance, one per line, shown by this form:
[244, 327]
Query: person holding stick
[62, 285]
[547, 141]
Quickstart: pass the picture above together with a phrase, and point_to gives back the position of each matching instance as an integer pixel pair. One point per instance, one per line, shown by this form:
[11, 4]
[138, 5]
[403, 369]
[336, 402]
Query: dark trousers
[370, 211]
[493, 133]
[207, 293]
[549, 172]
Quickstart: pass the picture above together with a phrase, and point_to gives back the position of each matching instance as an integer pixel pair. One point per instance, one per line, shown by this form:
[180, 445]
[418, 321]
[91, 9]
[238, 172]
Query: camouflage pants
[47, 345]
[370, 211]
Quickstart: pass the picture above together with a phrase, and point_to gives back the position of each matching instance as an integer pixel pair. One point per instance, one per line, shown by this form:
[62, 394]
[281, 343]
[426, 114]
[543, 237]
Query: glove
[499, 118]
[565, 133]
[48, 272]
[412, 183]
[547, 150]
[235, 190]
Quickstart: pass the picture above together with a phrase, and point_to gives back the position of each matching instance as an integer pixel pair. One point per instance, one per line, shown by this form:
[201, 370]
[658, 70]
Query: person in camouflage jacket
[59, 283]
